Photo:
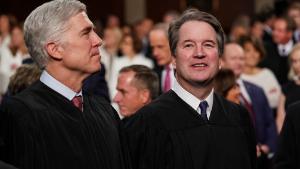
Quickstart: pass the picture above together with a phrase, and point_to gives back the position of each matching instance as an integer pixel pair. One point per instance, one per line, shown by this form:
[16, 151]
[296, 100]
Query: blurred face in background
[257, 29]
[295, 14]
[280, 33]
[111, 37]
[127, 46]
[4, 24]
[160, 47]
[17, 37]
[295, 61]
[233, 58]
[252, 56]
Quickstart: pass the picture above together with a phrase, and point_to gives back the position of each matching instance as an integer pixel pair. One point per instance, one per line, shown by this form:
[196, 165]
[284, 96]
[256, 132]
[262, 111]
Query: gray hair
[161, 26]
[195, 15]
[46, 24]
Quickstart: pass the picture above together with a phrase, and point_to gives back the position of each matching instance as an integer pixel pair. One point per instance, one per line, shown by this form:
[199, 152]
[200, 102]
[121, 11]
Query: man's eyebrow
[87, 29]
[188, 40]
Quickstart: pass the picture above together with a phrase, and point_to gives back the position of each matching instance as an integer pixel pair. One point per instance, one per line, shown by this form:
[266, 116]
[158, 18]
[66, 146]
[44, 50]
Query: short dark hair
[195, 15]
[224, 81]
[257, 44]
[144, 78]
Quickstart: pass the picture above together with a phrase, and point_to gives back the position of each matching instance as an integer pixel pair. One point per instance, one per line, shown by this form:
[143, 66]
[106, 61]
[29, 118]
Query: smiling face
[79, 47]
[196, 57]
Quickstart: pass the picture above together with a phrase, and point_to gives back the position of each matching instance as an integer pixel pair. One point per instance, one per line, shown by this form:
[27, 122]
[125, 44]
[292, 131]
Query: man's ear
[173, 62]
[54, 50]
[220, 64]
[145, 96]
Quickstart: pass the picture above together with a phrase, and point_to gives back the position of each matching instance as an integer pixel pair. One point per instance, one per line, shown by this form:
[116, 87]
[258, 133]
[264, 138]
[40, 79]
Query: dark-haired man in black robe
[191, 127]
[54, 124]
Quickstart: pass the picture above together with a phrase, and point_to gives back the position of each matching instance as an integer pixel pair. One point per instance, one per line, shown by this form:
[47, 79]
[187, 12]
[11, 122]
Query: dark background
[225, 10]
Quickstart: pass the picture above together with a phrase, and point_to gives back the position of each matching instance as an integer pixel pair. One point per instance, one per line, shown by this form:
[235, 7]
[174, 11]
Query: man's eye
[188, 45]
[209, 45]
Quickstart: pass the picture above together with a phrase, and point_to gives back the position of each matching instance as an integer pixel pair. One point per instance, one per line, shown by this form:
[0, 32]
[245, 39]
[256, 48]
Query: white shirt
[268, 82]
[285, 49]
[193, 101]
[243, 90]
[57, 86]
[8, 66]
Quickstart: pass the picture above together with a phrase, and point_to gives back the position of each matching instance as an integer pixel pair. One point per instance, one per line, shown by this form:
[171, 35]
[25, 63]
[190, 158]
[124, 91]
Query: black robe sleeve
[287, 156]
[145, 142]
[20, 147]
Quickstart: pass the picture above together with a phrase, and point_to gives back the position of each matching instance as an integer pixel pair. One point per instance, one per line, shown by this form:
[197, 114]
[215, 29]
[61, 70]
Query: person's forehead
[80, 19]
[158, 33]
[233, 50]
[190, 28]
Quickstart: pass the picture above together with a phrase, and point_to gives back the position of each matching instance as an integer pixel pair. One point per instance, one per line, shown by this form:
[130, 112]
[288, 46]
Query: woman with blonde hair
[290, 91]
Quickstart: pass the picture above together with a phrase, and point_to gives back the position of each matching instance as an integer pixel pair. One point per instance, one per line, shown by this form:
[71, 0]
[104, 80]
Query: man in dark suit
[159, 43]
[253, 98]
[278, 50]
[137, 86]
[190, 126]
[288, 154]
[54, 124]
[96, 84]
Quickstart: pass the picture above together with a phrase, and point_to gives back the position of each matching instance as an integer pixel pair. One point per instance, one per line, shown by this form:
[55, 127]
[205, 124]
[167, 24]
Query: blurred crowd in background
[262, 50]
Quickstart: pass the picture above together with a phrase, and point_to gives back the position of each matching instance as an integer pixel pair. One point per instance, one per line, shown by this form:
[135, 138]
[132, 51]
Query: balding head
[233, 58]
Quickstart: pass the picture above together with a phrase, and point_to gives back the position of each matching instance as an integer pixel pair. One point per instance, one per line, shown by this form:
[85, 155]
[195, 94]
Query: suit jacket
[278, 64]
[42, 129]
[264, 119]
[96, 84]
[158, 70]
[169, 134]
[288, 154]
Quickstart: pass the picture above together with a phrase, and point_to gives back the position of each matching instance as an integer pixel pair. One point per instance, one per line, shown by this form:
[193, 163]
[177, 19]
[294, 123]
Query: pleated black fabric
[169, 134]
[43, 130]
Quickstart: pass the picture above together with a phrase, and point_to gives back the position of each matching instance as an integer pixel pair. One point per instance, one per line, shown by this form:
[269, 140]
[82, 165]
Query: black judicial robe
[288, 153]
[41, 129]
[169, 134]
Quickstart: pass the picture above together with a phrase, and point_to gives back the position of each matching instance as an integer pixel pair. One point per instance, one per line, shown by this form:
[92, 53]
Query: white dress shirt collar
[243, 89]
[57, 86]
[192, 100]
[285, 49]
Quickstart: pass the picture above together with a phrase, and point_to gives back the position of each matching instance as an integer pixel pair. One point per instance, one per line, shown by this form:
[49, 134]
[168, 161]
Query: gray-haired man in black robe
[54, 123]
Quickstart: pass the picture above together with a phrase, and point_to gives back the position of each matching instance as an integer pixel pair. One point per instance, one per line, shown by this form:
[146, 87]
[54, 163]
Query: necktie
[283, 52]
[249, 107]
[203, 106]
[77, 102]
[167, 83]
